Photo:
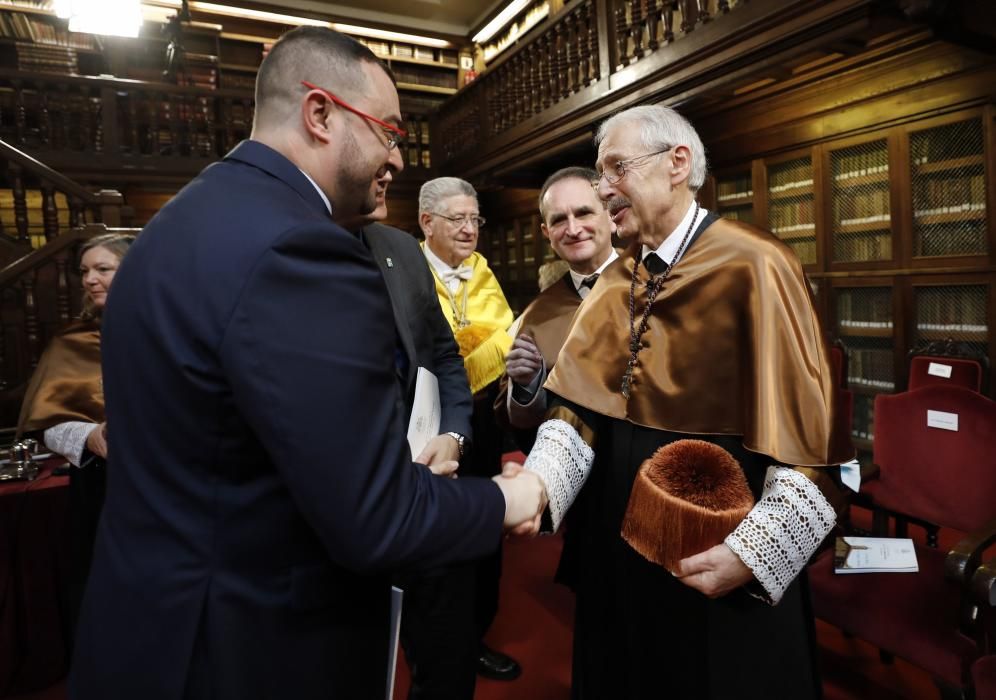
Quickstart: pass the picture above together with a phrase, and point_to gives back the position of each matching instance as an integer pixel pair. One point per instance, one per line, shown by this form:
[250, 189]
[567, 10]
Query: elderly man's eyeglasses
[614, 173]
[459, 222]
[395, 136]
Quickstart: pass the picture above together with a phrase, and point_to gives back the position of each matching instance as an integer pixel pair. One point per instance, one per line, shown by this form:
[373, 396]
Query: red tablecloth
[34, 569]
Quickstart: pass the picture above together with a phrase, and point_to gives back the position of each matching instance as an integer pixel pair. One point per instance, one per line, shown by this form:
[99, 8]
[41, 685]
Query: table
[34, 573]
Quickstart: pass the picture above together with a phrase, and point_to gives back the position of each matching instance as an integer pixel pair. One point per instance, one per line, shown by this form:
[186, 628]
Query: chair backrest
[949, 363]
[938, 474]
[838, 362]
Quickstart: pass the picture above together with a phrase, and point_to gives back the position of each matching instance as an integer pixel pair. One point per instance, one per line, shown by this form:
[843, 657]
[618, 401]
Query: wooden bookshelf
[790, 205]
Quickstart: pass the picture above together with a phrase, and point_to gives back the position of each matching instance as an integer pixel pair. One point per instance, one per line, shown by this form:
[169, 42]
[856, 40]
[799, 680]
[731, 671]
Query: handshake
[525, 499]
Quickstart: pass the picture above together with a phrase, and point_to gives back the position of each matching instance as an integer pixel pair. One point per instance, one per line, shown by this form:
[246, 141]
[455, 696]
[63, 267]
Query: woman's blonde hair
[117, 244]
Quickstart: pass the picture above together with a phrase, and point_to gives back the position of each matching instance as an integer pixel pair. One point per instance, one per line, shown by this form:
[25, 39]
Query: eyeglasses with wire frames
[623, 166]
[395, 136]
[459, 222]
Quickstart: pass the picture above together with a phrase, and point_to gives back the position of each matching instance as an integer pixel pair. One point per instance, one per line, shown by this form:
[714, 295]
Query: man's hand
[714, 572]
[96, 441]
[441, 455]
[525, 499]
[524, 360]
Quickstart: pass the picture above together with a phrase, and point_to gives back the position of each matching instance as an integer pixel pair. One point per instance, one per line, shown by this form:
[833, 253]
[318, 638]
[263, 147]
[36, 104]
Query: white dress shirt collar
[442, 268]
[328, 204]
[668, 250]
[578, 278]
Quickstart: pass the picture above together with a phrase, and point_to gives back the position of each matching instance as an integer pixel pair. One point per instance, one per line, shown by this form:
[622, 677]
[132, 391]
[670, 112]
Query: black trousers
[87, 486]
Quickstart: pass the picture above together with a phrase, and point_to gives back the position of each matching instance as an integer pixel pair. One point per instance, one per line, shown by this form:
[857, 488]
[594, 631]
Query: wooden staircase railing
[25, 173]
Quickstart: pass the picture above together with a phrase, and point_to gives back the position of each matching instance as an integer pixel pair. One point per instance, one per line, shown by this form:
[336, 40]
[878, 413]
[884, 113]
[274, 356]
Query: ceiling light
[113, 17]
[504, 17]
[294, 21]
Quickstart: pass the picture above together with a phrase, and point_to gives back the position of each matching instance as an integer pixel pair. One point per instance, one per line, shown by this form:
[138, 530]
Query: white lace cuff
[782, 530]
[68, 439]
[563, 461]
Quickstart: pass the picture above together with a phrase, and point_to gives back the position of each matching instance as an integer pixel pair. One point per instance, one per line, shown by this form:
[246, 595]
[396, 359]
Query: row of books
[861, 206]
[46, 59]
[865, 308]
[855, 248]
[871, 367]
[948, 142]
[952, 308]
[413, 74]
[388, 49]
[418, 132]
[955, 238]
[786, 176]
[734, 188]
[16, 25]
[848, 166]
[805, 250]
[789, 215]
[935, 196]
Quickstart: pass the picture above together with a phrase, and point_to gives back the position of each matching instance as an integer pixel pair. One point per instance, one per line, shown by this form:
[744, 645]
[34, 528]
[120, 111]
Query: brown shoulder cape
[733, 347]
[548, 317]
[66, 384]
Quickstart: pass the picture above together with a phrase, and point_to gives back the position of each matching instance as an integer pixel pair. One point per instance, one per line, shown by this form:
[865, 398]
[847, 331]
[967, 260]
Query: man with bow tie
[479, 316]
[580, 232]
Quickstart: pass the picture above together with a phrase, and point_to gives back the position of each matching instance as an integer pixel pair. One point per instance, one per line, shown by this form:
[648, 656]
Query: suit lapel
[395, 277]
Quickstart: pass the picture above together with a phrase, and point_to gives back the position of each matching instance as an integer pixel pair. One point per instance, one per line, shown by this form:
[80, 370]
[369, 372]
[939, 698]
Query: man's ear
[316, 116]
[423, 221]
[546, 232]
[681, 162]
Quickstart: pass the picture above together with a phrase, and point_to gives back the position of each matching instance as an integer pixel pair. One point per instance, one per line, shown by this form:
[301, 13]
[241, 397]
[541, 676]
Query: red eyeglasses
[395, 136]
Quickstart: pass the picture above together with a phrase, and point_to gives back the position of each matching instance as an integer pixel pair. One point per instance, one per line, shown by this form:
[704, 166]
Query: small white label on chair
[939, 370]
[942, 420]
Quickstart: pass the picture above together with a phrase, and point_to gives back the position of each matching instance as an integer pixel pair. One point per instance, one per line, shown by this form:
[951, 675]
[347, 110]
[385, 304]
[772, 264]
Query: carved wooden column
[688, 10]
[44, 120]
[50, 215]
[76, 211]
[669, 8]
[20, 116]
[132, 145]
[62, 286]
[153, 105]
[83, 138]
[20, 201]
[703, 11]
[31, 326]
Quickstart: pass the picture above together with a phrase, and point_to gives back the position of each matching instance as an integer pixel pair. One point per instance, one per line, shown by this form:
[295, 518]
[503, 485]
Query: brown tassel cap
[686, 498]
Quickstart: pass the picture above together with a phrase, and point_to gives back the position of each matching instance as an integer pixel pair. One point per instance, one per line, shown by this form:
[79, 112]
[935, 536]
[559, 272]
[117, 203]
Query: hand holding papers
[860, 555]
[424, 423]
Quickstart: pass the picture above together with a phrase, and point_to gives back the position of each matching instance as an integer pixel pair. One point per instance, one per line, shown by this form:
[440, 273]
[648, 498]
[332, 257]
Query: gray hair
[434, 191]
[659, 127]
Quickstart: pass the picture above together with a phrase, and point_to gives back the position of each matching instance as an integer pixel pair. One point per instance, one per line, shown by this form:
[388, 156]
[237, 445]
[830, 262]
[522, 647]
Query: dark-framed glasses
[459, 222]
[614, 173]
[395, 136]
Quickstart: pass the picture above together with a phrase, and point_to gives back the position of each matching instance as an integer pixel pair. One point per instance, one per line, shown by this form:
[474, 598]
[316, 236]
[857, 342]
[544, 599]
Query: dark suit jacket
[261, 487]
[425, 335]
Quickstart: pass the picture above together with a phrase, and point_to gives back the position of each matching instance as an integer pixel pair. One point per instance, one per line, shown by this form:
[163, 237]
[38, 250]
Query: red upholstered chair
[984, 668]
[932, 477]
[949, 363]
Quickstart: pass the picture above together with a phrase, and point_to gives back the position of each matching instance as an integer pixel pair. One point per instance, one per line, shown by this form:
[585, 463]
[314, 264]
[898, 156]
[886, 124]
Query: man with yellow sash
[704, 328]
[479, 315]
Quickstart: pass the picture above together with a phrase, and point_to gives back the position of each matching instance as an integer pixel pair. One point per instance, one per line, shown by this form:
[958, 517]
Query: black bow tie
[654, 264]
[589, 281]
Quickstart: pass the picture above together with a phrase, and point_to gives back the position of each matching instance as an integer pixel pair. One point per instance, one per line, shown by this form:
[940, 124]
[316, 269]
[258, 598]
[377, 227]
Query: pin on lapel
[390, 263]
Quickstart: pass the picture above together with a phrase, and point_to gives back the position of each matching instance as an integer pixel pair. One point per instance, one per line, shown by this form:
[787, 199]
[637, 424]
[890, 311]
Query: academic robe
[733, 354]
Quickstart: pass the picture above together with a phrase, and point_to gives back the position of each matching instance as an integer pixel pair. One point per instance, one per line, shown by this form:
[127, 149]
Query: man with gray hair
[703, 329]
[479, 316]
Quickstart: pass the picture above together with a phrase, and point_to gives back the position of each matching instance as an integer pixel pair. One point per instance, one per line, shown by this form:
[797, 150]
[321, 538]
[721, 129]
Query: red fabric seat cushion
[913, 616]
[984, 677]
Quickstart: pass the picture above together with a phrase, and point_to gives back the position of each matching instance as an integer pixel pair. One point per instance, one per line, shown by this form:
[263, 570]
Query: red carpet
[534, 626]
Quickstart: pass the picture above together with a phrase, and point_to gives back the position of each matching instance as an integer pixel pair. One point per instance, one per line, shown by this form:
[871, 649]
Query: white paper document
[426, 412]
[860, 555]
[397, 596]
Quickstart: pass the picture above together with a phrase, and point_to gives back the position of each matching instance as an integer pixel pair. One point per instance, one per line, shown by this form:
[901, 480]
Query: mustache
[617, 203]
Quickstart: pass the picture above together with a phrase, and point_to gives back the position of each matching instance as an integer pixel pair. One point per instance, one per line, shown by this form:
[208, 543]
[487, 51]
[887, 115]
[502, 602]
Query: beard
[356, 181]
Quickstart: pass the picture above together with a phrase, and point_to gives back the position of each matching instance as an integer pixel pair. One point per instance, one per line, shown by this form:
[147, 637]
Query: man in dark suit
[261, 487]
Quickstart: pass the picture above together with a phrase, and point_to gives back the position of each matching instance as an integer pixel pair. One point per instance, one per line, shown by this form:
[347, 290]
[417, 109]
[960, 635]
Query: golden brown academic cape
[733, 348]
[66, 384]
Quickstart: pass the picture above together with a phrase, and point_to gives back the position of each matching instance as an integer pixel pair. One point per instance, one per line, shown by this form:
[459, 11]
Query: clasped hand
[525, 499]
[524, 360]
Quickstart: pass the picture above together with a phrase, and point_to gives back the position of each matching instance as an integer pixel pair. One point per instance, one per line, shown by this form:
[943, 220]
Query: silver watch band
[459, 441]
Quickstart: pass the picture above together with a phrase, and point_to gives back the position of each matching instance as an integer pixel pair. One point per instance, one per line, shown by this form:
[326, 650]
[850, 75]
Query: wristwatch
[459, 441]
